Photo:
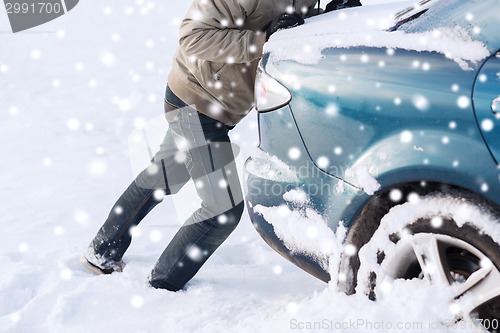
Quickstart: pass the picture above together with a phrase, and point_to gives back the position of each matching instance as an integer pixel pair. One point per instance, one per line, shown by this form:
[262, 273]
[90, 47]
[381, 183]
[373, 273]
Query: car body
[376, 116]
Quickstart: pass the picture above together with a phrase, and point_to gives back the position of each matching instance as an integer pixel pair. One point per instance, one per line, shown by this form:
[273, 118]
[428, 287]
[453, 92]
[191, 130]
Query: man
[210, 89]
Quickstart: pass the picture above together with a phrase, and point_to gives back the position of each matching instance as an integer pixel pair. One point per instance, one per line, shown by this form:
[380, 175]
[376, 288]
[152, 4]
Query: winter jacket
[220, 44]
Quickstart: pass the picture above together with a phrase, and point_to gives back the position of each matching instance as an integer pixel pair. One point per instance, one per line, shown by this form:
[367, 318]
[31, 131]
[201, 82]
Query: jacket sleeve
[214, 30]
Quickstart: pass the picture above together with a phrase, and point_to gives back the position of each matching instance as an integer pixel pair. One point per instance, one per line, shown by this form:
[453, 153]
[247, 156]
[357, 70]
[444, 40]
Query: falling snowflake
[58, 230]
[292, 308]
[406, 137]
[73, 124]
[118, 210]
[81, 217]
[421, 102]
[47, 161]
[36, 54]
[294, 153]
[155, 236]
[487, 125]
[395, 195]
[159, 195]
[66, 274]
[135, 231]
[323, 162]
[463, 102]
[108, 59]
[413, 198]
[350, 250]
[23, 247]
[195, 253]
[14, 111]
[137, 301]
[98, 167]
[56, 83]
[223, 183]
[436, 222]
[332, 110]
[222, 219]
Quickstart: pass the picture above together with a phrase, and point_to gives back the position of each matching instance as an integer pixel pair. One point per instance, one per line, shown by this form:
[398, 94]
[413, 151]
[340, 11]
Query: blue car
[380, 148]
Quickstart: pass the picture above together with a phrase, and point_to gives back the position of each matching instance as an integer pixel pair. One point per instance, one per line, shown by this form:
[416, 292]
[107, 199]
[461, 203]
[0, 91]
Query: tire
[450, 241]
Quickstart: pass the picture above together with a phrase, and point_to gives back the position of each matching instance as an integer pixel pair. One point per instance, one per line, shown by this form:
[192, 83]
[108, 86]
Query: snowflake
[56, 83]
[137, 301]
[350, 250]
[108, 59]
[36, 54]
[14, 111]
[421, 102]
[98, 167]
[159, 194]
[135, 231]
[47, 161]
[463, 102]
[155, 236]
[487, 125]
[195, 253]
[66, 274]
[395, 195]
[413, 198]
[294, 153]
[406, 137]
[58, 230]
[436, 222]
[107, 10]
[277, 270]
[322, 162]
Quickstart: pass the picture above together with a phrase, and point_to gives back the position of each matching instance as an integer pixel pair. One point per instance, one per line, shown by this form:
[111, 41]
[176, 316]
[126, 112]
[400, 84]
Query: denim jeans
[195, 147]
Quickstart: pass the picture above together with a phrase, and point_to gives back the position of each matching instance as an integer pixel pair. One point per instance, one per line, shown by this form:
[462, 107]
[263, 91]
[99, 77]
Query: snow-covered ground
[71, 93]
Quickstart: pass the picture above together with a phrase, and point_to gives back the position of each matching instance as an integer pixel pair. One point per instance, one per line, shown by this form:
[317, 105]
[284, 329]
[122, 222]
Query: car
[379, 150]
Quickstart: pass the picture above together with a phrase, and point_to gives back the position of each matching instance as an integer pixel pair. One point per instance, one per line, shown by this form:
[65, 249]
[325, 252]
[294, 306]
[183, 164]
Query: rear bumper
[272, 187]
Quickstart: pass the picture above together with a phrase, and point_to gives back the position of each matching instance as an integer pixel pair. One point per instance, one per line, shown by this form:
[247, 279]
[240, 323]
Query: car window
[479, 18]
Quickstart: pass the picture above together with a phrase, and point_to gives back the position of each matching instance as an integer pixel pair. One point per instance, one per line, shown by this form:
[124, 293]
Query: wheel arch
[366, 221]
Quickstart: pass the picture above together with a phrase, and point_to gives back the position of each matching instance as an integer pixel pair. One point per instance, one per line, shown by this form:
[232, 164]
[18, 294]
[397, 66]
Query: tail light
[269, 93]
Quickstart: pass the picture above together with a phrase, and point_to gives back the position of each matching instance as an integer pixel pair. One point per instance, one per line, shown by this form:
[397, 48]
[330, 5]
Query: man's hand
[286, 20]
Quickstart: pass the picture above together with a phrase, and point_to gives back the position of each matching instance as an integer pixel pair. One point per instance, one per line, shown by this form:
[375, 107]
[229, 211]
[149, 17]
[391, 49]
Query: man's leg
[212, 168]
[114, 238]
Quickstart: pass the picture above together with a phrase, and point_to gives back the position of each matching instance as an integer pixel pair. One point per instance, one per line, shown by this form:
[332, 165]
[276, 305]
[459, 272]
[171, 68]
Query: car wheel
[448, 241]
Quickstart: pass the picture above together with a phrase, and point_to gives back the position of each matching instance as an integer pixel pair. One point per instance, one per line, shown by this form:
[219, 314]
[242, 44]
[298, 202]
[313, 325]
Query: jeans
[195, 147]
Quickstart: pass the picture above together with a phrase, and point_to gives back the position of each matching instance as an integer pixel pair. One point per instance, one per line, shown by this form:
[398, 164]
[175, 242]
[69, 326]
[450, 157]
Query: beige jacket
[219, 47]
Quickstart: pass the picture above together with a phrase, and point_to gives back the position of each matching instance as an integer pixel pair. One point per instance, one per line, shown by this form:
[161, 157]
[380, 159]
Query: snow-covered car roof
[465, 31]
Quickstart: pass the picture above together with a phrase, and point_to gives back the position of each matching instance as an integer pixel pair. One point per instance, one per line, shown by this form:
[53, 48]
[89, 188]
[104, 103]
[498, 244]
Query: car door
[486, 100]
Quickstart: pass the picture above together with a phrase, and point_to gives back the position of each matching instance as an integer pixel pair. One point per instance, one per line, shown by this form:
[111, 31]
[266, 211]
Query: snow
[65, 160]
[495, 103]
[345, 29]
[395, 222]
[362, 176]
[270, 167]
[302, 229]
